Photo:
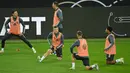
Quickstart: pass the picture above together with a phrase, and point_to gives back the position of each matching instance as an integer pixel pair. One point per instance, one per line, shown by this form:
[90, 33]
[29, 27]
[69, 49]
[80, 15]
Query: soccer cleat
[96, 66]
[72, 68]
[39, 59]
[122, 60]
[54, 53]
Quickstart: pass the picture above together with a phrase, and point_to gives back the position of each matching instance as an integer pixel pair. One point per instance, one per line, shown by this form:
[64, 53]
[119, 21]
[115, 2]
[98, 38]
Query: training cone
[18, 49]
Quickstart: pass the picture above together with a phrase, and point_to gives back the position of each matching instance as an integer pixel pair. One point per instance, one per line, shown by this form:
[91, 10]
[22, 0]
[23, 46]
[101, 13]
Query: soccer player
[82, 52]
[57, 19]
[56, 43]
[58, 16]
[110, 48]
[14, 30]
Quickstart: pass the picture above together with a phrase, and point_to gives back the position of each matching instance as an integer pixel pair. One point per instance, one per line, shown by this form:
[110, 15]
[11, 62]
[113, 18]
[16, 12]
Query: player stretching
[110, 48]
[57, 19]
[55, 44]
[82, 48]
[14, 30]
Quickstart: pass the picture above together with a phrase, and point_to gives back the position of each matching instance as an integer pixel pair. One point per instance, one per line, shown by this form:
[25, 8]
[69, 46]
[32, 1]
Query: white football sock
[73, 65]
[93, 66]
[118, 60]
[2, 49]
[42, 58]
[33, 50]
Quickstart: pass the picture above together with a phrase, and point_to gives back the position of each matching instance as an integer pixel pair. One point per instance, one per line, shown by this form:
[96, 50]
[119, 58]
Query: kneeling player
[82, 54]
[55, 44]
[110, 48]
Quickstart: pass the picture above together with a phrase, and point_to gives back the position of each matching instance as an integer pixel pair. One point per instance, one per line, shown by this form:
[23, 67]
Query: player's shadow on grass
[114, 65]
[51, 60]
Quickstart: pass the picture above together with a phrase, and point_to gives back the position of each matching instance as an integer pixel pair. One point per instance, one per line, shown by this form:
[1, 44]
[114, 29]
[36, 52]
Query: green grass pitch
[25, 61]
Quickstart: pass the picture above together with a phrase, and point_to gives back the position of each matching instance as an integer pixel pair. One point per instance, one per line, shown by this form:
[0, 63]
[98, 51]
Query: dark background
[91, 20]
[47, 3]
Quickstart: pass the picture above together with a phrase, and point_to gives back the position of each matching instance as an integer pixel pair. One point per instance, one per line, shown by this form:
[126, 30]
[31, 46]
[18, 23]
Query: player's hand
[23, 32]
[62, 46]
[105, 49]
[74, 53]
[57, 47]
[8, 32]
[51, 46]
[20, 34]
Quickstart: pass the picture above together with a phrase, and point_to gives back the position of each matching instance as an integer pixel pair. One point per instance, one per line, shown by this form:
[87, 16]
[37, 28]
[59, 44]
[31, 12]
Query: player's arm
[21, 21]
[111, 40]
[6, 24]
[62, 41]
[77, 43]
[49, 38]
[60, 16]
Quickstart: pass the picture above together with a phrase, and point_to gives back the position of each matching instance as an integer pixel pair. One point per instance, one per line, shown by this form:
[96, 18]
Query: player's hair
[109, 28]
[55, 27]
[79, 33]
[13, 11]
[56, 3]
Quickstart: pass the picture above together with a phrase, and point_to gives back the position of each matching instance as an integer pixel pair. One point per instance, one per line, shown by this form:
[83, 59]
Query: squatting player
[110, 48]
[56, 43]
[14, 30]
[82, 52]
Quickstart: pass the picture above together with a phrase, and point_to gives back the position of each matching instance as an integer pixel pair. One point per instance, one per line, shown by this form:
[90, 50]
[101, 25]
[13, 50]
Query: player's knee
[88, 68]
[49, 51]
[108, 62]
[59, 55]
[111, 62]
[62, 46]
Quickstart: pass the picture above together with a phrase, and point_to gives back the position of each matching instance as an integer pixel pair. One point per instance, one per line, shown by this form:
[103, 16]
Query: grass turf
[25, 61]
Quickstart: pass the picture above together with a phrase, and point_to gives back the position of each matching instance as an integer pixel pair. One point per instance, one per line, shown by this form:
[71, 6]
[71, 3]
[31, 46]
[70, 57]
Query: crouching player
[56, 44]
[110, 48]
[82, 49]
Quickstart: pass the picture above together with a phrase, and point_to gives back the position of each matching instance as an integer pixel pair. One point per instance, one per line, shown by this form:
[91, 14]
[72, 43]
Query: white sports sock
[2, 49]
[73, 65]
[93, 66]
[42, 58]
[33, 50]
[118, 60]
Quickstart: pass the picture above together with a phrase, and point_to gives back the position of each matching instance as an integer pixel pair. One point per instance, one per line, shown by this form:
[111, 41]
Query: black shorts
[85, 60]
[58, 51]
[109, 57]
